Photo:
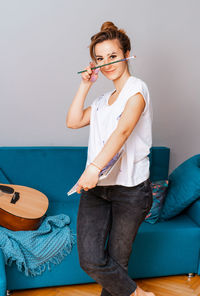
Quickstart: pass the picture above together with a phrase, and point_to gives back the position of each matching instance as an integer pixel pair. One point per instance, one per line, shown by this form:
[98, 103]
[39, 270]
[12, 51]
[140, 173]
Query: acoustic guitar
[21, 207]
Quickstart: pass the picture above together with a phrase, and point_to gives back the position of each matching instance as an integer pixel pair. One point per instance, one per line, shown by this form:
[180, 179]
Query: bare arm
[76, 116]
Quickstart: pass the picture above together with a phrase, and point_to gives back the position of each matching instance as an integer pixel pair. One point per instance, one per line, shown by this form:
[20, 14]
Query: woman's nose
[106, 61]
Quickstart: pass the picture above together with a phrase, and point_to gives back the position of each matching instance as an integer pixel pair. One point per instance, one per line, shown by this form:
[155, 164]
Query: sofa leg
[191, 274]
[8, 293]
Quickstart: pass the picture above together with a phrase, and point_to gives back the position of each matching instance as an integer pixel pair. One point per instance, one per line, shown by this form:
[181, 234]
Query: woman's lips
[109, 71]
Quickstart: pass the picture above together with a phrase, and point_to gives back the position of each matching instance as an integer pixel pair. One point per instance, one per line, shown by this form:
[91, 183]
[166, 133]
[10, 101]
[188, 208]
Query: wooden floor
[163, 286]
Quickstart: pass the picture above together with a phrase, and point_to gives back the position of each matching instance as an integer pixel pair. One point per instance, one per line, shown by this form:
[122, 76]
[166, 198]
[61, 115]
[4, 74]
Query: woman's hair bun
[108, 26]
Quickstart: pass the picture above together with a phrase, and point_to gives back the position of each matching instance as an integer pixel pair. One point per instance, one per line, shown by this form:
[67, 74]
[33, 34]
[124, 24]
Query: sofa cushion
[68, 207]
[159, 190]
[161, 248]
[184, 188]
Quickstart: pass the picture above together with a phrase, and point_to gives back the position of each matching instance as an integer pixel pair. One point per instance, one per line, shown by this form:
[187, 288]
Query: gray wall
[44, 43]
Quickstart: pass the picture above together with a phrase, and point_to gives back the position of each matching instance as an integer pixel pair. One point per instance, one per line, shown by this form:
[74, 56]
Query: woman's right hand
[90, 76]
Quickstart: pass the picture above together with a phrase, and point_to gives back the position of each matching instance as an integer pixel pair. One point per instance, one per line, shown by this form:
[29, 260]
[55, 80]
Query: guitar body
[21, 207]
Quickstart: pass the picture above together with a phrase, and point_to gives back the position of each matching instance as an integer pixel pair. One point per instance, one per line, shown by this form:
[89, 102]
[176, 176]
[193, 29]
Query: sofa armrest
[2, 275]
[193, 211]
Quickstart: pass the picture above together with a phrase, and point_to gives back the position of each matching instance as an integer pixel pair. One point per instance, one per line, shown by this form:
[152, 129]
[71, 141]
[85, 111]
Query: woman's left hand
[88, 179]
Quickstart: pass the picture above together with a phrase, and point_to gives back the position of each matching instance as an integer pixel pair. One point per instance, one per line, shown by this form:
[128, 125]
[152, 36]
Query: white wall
[45, 42]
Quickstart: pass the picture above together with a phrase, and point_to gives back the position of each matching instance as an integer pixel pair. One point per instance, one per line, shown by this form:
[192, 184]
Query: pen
[93, 68]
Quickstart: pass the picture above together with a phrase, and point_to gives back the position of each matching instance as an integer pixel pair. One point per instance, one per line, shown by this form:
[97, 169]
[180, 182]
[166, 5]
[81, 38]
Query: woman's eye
[113, 56]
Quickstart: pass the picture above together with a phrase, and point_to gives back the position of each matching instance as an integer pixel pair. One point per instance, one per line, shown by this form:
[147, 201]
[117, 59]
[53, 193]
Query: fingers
[85, 189]
[90, 75]
[87, 75]
[80, 188]
[94, 75]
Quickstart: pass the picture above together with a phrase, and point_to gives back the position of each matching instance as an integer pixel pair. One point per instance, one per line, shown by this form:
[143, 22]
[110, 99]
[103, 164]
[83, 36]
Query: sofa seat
[181, 235]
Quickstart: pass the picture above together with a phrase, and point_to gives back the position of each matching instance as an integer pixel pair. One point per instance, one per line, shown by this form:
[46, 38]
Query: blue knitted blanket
[34, 251]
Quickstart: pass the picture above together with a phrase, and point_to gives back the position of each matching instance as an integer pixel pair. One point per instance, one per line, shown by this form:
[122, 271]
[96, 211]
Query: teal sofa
[165, 248]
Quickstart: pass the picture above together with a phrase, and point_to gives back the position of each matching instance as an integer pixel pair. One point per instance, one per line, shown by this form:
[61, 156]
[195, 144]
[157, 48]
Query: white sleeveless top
[134, 168]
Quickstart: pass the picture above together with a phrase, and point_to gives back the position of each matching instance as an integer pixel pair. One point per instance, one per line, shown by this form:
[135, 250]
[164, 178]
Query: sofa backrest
[159, 163]
[53, 170]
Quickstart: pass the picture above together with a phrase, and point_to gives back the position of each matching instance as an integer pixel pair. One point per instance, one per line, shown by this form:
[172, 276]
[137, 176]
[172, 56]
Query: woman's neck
[119, 82]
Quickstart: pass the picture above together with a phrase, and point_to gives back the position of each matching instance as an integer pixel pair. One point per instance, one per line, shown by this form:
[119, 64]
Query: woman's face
[110, 51]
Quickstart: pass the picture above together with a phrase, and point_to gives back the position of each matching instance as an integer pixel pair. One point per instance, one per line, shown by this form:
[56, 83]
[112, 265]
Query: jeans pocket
[146, 186]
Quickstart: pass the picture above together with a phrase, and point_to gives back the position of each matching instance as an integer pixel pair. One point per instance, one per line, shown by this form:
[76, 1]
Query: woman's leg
[129, 208]
[93, 225]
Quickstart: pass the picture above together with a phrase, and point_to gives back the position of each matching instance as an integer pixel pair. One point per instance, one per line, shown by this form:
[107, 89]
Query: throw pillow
[184, 188]
[159, 190]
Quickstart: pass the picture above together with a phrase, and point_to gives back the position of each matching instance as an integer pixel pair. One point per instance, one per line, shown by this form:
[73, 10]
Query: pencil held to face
[93, 68]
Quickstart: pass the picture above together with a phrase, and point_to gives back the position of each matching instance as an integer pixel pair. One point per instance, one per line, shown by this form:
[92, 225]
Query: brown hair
[109, 32]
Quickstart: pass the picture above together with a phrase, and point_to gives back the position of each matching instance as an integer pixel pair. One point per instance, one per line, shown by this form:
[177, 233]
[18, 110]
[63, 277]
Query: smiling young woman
[115, 207]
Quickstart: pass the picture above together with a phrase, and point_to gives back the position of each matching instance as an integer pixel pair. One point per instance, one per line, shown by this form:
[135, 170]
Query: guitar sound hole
[6, 189]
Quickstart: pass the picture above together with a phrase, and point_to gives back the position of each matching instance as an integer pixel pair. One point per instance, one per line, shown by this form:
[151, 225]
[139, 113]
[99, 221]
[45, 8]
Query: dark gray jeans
[111, 214]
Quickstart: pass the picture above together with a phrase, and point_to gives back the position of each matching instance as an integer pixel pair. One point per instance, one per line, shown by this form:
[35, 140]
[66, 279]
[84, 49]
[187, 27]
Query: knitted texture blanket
[34, 251]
